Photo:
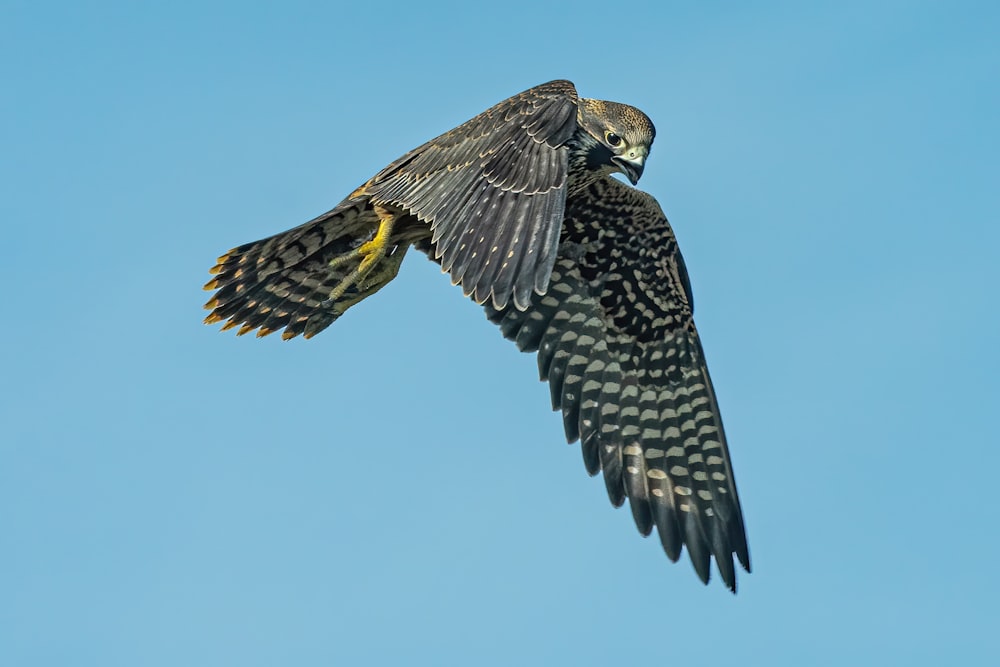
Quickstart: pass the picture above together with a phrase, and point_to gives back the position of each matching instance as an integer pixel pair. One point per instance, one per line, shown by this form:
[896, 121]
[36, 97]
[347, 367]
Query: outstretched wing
[494, 191]
[616, 342]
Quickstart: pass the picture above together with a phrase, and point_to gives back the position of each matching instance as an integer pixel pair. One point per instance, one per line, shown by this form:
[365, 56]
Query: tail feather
[284, 281]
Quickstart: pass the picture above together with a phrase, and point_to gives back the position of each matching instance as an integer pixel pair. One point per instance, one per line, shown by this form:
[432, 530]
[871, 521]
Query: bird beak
[631, 168]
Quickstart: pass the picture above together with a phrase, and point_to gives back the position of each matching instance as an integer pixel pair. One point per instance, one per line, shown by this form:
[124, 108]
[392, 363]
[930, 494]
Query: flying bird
[520, 207]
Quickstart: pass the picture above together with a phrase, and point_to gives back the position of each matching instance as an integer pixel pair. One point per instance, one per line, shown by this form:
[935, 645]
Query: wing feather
[617, 343]
[510, 160]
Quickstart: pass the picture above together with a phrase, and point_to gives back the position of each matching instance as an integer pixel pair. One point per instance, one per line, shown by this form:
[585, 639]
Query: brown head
[616, 136]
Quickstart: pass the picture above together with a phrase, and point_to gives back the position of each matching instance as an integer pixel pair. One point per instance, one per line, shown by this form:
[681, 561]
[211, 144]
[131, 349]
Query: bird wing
[617, 343]
[494, 191]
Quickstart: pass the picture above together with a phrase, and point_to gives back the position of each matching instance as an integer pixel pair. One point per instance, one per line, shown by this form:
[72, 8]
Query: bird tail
[285, 281]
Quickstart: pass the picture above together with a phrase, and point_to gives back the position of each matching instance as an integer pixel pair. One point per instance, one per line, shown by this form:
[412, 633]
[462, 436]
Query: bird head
[621, 137]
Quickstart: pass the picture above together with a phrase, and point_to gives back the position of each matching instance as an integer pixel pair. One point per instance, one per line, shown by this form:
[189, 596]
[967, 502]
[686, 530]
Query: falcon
[520, 207]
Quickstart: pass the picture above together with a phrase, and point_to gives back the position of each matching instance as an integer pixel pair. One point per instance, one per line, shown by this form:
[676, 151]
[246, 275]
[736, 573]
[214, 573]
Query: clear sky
[396, 491]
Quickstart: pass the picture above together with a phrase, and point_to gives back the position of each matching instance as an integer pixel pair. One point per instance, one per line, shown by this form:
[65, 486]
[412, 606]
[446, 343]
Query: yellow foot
[370, 254]
[376, 279]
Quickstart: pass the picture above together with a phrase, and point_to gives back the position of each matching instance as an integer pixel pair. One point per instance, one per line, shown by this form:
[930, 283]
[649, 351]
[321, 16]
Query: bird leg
[370, 253]
[376, 279]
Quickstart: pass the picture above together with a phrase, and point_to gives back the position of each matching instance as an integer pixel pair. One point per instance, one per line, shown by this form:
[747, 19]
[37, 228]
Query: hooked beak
[631, 168]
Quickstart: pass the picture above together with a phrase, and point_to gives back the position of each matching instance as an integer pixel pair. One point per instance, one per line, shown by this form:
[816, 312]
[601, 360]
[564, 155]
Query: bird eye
[612, 139]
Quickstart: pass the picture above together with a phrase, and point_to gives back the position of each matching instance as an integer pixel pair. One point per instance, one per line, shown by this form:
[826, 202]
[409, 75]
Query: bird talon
[370, 253]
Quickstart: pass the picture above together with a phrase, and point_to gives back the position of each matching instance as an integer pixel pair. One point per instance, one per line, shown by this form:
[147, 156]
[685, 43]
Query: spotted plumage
[520, 207]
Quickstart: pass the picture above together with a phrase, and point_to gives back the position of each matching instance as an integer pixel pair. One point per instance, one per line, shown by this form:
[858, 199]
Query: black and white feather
[617, 343]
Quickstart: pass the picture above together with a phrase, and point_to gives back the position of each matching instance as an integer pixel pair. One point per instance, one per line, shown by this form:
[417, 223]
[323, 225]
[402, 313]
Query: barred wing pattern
[616, 342]
[506, 170]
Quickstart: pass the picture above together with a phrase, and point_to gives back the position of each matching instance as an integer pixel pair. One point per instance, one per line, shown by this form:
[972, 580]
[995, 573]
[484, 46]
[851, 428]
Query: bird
[521, 206]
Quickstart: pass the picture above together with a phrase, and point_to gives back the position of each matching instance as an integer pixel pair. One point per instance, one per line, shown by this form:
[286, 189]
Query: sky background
[396, 490]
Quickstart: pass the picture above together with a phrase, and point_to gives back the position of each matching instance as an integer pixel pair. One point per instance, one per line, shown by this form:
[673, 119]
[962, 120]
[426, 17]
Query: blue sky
[396, 490]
